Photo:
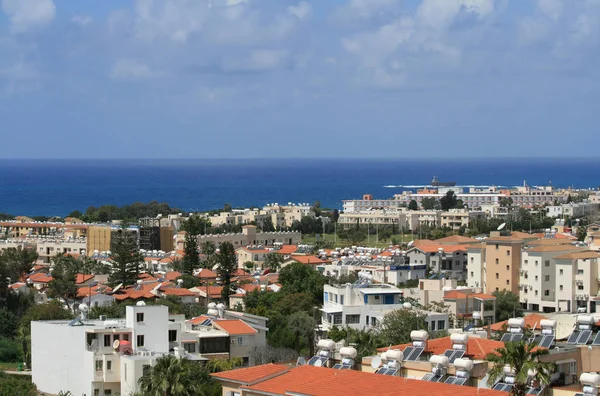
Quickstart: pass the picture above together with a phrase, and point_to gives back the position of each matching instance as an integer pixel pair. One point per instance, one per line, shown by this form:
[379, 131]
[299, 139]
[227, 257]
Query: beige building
[577, 281]
[248, 237]
[502, 264]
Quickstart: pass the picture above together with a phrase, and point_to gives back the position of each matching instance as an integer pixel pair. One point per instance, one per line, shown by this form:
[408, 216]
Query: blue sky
[289, 78]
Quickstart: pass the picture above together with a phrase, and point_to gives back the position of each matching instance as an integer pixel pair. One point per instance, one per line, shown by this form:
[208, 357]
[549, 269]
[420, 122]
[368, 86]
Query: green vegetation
[273, 261]
[16, 385]
[507, 305]
[523, 359]
[126, 262]
[127, 213]
[191, 260]
[171, 376]
[226, 262]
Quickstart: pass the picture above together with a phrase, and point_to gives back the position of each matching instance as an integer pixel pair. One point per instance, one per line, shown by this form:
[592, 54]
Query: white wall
[59, 358]
[154, 327]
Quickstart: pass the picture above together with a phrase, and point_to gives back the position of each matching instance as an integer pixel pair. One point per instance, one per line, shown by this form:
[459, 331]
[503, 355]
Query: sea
[57, 187]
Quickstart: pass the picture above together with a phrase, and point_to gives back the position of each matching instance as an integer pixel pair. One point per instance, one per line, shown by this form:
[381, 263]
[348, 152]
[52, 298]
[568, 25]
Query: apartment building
[367, 203]
[363, 306]
[538, 276]
[573, 210]
[576, 286]
[502, 264]
[107, 357]
[248, 237]
[440, 258]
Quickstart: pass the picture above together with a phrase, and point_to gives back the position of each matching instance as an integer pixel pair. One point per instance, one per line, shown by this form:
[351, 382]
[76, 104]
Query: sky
[299, 79]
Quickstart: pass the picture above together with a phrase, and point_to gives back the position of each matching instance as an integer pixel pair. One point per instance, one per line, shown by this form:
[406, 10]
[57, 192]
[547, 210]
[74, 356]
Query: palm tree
[218, 365]
[273, 261]
[524, 360]
[208, 248]
[170, 376]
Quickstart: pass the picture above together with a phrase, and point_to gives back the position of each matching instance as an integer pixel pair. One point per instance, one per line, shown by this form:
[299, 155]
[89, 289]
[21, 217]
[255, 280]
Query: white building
[573, 210]
[84, 357]
[363, 306]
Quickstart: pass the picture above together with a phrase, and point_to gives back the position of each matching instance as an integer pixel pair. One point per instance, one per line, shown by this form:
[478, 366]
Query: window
[507, 282]
[146, 369]
[139, 317]
[472, 274]
[172, 335]
[116, 337]
[546, 278]
[125, 369]
[342, 300]
[580, 287]
[546, 293]
[367, 321]
[536, 292]
[432, 325]
[337, 319]
[441, 325]
[242, 341]
[526, 261]
[508, 267]
[536, 278]
[560, 272]
[560, 287]
[96, 392]
[190, 347]
[497, 275]
[536, 263]
[508, 252]
[373, 321]
[107, 392]
[496, 246]
[497, 261]
[377, 297]
[472, 259]
[214, 345]
[547, 263]
[99, 365]
[107, 340]
[140, 341]
[352, 319]
[108, 365]
[573, 367]
[336, 298]
[579, 272]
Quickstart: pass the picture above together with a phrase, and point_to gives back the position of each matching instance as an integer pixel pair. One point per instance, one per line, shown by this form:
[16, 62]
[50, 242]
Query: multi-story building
[576, 287]
[367, 203]
[364, 306]
[248, 237]
[107, 357]
[573, 210]
[538, 280]
[502, 263]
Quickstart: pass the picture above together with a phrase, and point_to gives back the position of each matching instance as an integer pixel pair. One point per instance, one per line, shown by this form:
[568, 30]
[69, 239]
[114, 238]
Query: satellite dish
[319, 363]
[116, 344]
[301, 361]
[501, 226]
[410, 243]
[564, 326]
[376, 362]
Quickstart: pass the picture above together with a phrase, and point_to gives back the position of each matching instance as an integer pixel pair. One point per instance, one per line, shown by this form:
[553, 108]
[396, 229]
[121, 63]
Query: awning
[189, 341]
[331, 310]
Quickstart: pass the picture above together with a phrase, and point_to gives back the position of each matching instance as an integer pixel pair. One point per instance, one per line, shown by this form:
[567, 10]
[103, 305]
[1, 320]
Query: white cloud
[302, 10]
[28, 14]
[81, 20]
[131, 69]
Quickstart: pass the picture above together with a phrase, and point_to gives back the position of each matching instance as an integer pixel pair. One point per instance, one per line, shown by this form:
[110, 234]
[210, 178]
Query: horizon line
[302, 158]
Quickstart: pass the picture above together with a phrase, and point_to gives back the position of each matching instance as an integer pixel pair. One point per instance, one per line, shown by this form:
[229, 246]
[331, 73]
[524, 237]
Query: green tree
[429, 203]
[196, 225]
[353, 236]
[64, 274]
[413, 205]
[226, 266]
[448, 201]
[219, 365]
[507, 305]
[189, 281]
[126, 260]
[191, 259]
[302, 325]
[267, 225]
[301, 278]
[396, 326]
[337, 333]
[171, 376]
[335, 215]
[506, 202]
[522, 359]
[208, 248]
[14, 262]
[14, 385]
[249, 265]
[273, 261]
[9, 323]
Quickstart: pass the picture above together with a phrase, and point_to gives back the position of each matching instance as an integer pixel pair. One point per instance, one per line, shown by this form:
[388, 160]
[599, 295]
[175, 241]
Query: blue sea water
[56, 187]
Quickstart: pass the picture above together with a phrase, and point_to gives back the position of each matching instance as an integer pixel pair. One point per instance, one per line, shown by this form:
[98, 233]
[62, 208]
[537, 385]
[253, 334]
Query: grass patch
[369, 242]
[9, 366]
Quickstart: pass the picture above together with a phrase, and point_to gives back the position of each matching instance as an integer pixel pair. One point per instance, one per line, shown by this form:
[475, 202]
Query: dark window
[190, 347]
[116, 336]
[108, 365]
[107, 340]
[146, 369]
[172, 335]
[125, 337]
[140, 340]
[140, 316]
[214, 345]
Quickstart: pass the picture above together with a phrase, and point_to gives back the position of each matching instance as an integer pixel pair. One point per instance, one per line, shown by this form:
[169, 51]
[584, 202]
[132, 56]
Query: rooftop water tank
[440, 360]
[348, 352]
[394, 354]
[464, 364]
[419, 335]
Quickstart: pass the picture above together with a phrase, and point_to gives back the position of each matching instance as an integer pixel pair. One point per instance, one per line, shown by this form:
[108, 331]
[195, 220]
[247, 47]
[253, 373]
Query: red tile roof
[205, 273]
[312, 260]
[82, 278]
[40, 278]
[172, 275]
[477, 348]
[251, 375]
[531, 321]
[456, 239]
[84, 291]
[173, 291]
[235, 327]
[320, 381]
[457, 295]
[198, 319]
